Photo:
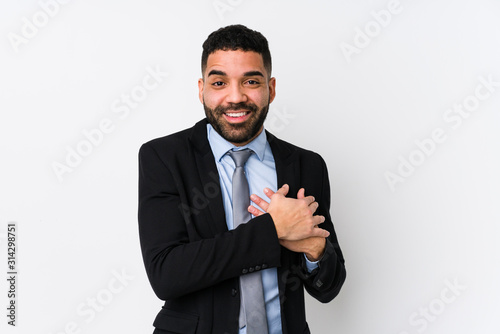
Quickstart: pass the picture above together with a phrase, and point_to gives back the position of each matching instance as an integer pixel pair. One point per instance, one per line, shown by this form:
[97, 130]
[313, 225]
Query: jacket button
[264, 266]
[234, 292]
[251, 269]
[257, 267]
[244, 271]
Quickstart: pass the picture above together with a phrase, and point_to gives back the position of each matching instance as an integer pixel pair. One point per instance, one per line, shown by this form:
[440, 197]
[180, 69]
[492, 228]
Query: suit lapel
[287, 165]
[287, 171]
[209, 176]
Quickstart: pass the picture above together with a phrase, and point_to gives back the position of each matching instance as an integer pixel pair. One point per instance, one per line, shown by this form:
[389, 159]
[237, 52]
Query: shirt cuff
[310, 264]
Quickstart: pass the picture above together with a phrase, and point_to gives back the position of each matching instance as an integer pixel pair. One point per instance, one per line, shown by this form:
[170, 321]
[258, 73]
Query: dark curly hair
[236, 37]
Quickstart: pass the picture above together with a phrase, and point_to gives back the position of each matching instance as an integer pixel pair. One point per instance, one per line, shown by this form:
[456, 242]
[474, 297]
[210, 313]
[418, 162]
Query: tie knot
[240, 157]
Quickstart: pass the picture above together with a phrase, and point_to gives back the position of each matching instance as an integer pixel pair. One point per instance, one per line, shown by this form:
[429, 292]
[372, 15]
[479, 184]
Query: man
[217, 270]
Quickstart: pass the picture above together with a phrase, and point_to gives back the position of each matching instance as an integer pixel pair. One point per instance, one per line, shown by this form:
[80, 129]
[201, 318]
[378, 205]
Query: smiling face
[236, 92]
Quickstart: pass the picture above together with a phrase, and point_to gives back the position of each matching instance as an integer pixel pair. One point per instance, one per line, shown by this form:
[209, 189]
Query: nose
[236, 94]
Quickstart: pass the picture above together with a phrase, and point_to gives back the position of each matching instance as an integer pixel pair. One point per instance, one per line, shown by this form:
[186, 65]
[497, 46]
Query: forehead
[235, 62]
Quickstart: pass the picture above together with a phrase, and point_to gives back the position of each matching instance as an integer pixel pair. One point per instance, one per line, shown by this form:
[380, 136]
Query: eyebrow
[216, 72]
[253, 74]
[246, 74]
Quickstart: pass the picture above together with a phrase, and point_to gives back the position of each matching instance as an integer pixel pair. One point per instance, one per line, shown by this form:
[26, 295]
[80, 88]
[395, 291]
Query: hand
[313, 247]
[293, 218]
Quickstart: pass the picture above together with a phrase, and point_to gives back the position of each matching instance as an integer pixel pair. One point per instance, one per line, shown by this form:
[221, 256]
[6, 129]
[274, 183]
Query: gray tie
[253, 308]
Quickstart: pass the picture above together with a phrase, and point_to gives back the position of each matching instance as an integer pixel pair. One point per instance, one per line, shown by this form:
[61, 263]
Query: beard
[240, 132]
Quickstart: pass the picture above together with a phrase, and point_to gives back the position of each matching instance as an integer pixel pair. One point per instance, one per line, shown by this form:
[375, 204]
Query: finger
[309, 200]
[283, 190]
[318, 220]
[301, 193]
[260, 202]
[254, 211]
[314, 206]
[269, 192]
[319, 232]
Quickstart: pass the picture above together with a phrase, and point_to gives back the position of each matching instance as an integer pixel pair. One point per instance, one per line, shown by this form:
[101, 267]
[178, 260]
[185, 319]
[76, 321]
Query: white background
[362, 113]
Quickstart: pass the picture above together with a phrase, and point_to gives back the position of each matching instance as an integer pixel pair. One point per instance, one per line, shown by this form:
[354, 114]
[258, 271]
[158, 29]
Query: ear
[200, 89]
[272, 89]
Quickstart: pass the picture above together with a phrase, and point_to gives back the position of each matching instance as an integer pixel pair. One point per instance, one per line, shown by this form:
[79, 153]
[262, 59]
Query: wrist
[279, 231]
[313, 257]
[316, 253]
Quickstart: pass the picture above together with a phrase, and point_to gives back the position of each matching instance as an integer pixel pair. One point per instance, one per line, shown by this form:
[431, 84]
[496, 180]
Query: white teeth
[237, 114]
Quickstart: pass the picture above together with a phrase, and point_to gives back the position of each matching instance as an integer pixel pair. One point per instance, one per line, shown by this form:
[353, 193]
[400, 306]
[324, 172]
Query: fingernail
[253, 197]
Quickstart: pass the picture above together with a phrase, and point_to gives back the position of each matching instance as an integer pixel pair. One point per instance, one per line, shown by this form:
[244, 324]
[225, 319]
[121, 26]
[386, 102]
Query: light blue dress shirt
[260, 170]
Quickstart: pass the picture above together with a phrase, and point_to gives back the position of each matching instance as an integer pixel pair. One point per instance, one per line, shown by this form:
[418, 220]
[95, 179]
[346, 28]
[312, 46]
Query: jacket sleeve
[324, 282]
[175, 264]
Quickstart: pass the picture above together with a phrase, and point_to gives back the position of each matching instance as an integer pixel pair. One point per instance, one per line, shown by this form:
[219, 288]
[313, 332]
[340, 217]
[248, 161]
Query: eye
[252, 82]
[218, 84]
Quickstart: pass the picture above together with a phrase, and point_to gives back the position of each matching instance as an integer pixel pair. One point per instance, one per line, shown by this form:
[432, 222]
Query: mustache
[236, 107]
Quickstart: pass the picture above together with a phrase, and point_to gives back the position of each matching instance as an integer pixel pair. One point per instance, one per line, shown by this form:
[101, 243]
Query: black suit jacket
[194, 262]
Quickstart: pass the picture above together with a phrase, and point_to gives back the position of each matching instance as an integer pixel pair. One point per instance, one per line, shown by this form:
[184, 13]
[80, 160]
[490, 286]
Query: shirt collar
[220, 146]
